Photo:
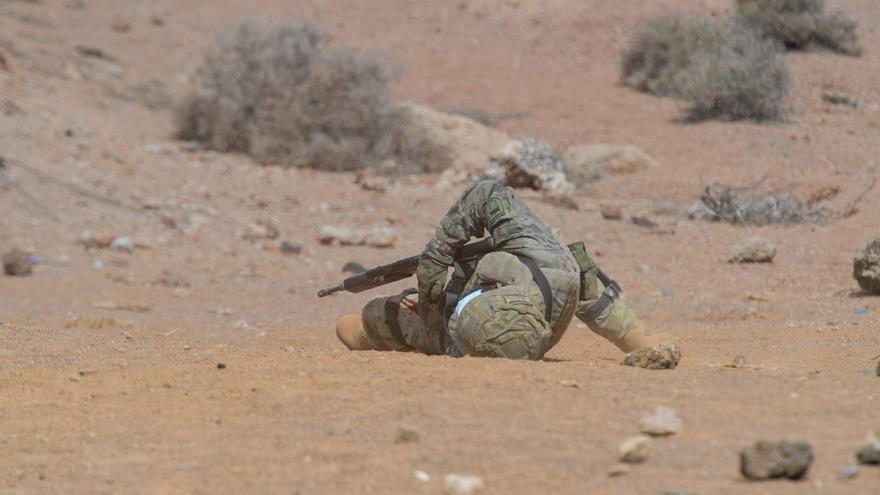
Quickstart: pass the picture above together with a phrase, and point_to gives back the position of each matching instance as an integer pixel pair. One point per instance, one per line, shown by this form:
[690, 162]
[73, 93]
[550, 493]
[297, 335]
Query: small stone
[767, 460]
[753, 250]
[870, 454]
[422, 476]
[569, 383]
[123, 244]
[739, 361]
[877, 371]
[17, 263]
[221, 366]
[644, 222]
[664, 421]
[406, 435]
[848, 472]
[611, 212]
[635, 450]
[662, 357]
[456, 484]
[618, 470]
[121, 26]
[866, 267]
[288, 247]
[90, 240]
[839, 98]
[261, 229]
[379, 236]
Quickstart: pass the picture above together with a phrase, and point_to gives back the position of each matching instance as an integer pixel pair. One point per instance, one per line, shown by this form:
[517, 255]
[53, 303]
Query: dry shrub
[280, 96]
[753, 205]
[802, 24]
[726, 70]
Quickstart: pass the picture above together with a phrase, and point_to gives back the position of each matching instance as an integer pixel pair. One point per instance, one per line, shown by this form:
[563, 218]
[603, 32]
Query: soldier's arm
[488, 205]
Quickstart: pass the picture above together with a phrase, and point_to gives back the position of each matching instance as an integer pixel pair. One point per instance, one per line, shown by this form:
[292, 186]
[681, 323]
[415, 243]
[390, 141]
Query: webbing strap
[392, 312]
[543, 284]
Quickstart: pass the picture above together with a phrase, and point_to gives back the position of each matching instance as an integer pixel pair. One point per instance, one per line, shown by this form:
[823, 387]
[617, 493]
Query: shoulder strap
[543, 284]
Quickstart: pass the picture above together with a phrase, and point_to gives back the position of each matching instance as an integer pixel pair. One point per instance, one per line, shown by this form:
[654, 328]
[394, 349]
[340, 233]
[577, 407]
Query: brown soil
[110, 378]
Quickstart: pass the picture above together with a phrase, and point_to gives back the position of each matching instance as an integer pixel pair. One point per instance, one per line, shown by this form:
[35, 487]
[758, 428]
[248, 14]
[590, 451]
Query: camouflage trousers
[393, 323]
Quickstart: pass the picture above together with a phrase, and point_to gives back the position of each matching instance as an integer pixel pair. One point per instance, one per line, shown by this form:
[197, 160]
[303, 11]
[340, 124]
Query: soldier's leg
[391, 324]
[608, 315]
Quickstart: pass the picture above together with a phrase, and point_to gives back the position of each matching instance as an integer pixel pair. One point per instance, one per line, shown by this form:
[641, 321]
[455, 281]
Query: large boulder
[588, 162]
[533, 164]
[468, 143]
[866, 267]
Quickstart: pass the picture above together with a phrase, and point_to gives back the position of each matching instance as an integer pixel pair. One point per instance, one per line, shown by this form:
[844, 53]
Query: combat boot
[350, 330]
[618, 323]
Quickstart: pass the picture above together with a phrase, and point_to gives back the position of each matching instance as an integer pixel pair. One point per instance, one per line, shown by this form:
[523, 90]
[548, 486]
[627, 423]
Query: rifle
[403, 269]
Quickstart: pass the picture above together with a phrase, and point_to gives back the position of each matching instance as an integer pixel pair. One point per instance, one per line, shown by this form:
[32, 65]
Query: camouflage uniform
[521, 239]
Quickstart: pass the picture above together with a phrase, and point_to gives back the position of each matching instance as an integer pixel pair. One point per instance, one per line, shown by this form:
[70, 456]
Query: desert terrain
[109, 360]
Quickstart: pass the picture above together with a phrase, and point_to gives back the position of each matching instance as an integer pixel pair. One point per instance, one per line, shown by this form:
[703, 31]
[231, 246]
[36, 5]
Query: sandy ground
[131, 400]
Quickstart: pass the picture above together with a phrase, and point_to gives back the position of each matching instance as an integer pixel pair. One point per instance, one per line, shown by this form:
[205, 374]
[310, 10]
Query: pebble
[17, 263]
[753, 250]
[406, 435]
[456, 484]
[124, 244]
[870, 454]
[848, 472]
[664, 421]
[611, 212]
[739, 361]
[635, 449]
[422, 476]
[618, 470]
[767, 460]
[221, 366]
[288, 247]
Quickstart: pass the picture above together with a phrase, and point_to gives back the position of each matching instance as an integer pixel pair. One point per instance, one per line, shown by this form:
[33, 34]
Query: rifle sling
[392, 312]
[543, 284]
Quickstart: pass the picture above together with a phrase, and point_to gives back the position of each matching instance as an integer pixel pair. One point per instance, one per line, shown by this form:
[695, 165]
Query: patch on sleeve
[494, 209]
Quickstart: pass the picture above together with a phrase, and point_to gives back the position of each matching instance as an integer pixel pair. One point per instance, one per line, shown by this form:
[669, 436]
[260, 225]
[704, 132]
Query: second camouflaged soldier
[515, 302]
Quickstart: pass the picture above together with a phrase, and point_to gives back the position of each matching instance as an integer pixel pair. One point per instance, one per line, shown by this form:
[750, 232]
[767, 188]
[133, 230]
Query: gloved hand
[431, 275]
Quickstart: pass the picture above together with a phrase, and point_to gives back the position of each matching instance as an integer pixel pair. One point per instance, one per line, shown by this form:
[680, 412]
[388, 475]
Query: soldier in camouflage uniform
[518, 301]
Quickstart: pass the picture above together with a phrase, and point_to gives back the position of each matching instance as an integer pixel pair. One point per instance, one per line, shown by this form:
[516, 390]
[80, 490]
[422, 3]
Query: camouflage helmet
[504, 322]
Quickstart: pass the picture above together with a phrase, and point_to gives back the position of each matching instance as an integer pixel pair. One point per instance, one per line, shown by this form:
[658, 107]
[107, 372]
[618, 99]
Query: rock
[636, 449]
[838, 98]
[618, 470]
[17, 263]
[664, 421]
[644, 222]
[870, 454]
[406, 435]
[739, 361]
[422, 476]
[288, 247]
[753, 250]
[866, 267]
[221, 366]
[848, 472]
[611, 212]
[353, 267]
[124, 244]
[90, 240]
[456, 484]
[532, 164]
[587, 163]
[261, 229]
[662, 357]
[379, 236]
[468, 144]
[768, 460]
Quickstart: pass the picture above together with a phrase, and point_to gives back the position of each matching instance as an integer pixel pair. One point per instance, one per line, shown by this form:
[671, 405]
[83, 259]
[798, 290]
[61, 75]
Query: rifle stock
[400, 270]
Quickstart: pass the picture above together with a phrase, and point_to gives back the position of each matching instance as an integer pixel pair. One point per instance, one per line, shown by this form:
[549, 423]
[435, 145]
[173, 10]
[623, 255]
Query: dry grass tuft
[280, 96]
[802, 24]
[726, 70]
